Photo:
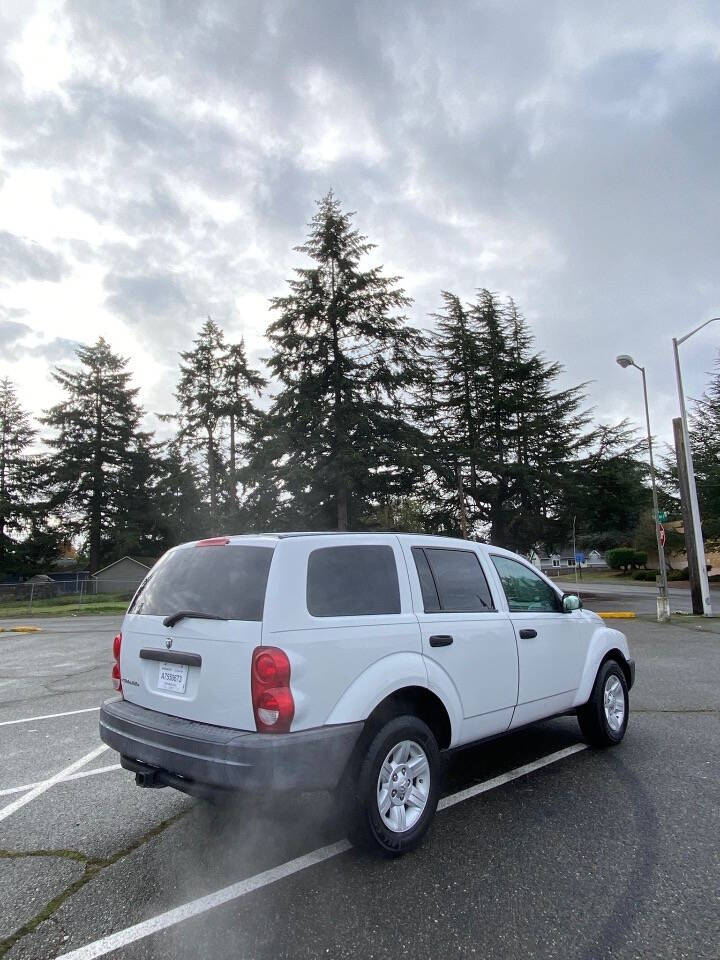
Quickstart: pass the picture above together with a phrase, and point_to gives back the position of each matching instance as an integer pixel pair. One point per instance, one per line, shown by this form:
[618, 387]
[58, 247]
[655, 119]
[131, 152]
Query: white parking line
[507, 777]
[47, 716]
[235, 890]
[50, 782]
[75, 776]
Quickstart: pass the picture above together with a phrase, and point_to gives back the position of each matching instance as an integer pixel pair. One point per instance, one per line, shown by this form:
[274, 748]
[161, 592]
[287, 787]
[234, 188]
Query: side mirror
[571, 601]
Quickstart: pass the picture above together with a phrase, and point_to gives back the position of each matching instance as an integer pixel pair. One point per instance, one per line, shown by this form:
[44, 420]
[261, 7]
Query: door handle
[441, 640]
[528, 634]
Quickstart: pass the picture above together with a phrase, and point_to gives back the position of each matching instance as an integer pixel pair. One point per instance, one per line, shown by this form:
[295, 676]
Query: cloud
[22, 259]
[564, 154]
[142, 296]
[11, 331]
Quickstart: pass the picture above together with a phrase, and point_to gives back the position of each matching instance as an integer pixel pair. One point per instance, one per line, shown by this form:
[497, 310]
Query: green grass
[65, 606]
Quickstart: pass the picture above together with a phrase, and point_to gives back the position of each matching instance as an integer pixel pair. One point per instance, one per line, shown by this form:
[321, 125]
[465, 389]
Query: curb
[617, 615]
[21, 629]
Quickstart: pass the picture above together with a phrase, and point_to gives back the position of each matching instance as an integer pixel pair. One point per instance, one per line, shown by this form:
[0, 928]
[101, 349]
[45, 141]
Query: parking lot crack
[92, 867]
[67, 854]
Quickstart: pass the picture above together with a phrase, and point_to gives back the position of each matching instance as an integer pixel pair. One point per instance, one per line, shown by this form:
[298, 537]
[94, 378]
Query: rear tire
[397, 787]
[604, 718]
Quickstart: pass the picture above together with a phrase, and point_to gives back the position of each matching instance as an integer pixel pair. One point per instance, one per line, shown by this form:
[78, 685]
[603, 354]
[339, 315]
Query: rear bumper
[191, 756]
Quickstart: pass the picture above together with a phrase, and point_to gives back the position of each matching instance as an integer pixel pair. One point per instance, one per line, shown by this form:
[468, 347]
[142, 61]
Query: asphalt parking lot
[558, 851]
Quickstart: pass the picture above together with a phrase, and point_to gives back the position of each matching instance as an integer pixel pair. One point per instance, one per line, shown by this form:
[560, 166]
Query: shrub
[620, 558]
[640, 558]
[648, 575]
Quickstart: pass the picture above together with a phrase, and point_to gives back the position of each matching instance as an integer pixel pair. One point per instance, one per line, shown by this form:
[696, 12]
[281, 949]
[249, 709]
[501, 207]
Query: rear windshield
[227, 581]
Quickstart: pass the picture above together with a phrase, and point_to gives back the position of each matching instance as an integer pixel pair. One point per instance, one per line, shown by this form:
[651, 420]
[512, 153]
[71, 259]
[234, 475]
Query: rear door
[198, 668]
[465, 633]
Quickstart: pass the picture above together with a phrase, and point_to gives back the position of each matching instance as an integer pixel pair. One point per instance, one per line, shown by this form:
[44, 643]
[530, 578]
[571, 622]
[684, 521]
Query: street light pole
[694, 507]
[663, 601]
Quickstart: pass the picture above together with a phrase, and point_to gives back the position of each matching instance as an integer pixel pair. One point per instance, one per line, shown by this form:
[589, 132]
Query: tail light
[116, 679]
[272, 698]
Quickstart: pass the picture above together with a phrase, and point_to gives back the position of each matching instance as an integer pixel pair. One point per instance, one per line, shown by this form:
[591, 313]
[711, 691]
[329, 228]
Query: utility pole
[698, 546]
[687, 515]
[663, 600]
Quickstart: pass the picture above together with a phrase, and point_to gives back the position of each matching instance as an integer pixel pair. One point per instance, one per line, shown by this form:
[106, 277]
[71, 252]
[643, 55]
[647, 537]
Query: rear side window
[228, 581]
[352, 582]
[458, 580]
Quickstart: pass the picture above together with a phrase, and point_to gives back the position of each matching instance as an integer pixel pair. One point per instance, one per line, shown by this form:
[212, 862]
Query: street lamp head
[625, 361]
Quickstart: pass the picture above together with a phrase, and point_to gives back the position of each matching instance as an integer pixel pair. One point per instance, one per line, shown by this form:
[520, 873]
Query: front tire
[604, 718]
[397, 787]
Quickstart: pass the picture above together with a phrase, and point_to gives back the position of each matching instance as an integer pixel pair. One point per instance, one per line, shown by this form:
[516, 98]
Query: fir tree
[16, 435]
[604, 489]
[240, 381]
[705, 439]
[336, 441]
[96, 436]
[202, 401]
[499, 415]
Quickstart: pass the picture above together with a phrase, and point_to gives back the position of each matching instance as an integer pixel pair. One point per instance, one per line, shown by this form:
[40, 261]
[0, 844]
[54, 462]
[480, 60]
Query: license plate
[173, 677]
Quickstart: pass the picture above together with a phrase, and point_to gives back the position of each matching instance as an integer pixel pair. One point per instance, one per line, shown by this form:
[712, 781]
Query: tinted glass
[525, 590]
[460, 582]
[352, 582]
[431, 603]
[227, 581]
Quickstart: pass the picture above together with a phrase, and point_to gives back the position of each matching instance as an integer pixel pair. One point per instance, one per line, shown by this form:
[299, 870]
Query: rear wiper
[193, 614]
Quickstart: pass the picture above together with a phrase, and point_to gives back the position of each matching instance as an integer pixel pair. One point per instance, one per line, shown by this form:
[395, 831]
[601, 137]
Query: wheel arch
[621, 659]
[422, 703]
[606, 644]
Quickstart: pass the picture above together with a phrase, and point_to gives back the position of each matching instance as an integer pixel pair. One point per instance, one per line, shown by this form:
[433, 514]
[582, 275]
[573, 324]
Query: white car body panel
[329, 655]
[382, 678]
[604, 639]
[489, 680]
[481, 663]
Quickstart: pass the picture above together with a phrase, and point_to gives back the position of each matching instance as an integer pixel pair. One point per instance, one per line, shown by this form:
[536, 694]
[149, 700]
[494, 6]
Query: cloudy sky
[159, 161]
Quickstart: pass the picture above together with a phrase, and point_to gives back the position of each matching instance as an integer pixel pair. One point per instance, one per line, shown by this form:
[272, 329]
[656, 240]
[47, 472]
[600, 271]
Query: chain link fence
[48, 597]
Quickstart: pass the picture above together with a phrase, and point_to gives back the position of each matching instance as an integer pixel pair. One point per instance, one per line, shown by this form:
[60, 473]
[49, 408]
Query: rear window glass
[460, 581]
[227, 581]
[352, 582]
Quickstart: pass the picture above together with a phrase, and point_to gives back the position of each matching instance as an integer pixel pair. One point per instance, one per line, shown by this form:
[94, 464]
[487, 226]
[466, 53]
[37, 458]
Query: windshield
[227, 581]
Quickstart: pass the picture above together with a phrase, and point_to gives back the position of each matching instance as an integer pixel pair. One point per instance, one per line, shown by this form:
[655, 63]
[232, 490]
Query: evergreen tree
[139, 526]
[705, 439]
[604, 489]
[239, 382]
[16, 435]
[96, 438]
[503, 429]
[336, 441]
[202, 401]
[180, 503]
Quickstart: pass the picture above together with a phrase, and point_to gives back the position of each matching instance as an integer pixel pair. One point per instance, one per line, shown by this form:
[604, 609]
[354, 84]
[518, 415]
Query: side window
[458, 579]
[352, 581]
[525, 590]
[431, 602]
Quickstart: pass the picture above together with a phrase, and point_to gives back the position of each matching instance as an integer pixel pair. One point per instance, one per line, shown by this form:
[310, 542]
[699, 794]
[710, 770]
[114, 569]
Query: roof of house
[145, 562]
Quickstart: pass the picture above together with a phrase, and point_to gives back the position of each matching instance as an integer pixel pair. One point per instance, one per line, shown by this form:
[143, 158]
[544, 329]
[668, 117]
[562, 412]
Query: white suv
[349, 662]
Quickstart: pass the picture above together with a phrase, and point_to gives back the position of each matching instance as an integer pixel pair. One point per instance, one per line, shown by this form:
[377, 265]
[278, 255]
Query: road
[639, 597]
[558, 851]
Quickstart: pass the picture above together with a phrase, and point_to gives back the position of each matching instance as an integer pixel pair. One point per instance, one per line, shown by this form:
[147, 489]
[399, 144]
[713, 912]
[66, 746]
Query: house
[123, 576]
[563, 560]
